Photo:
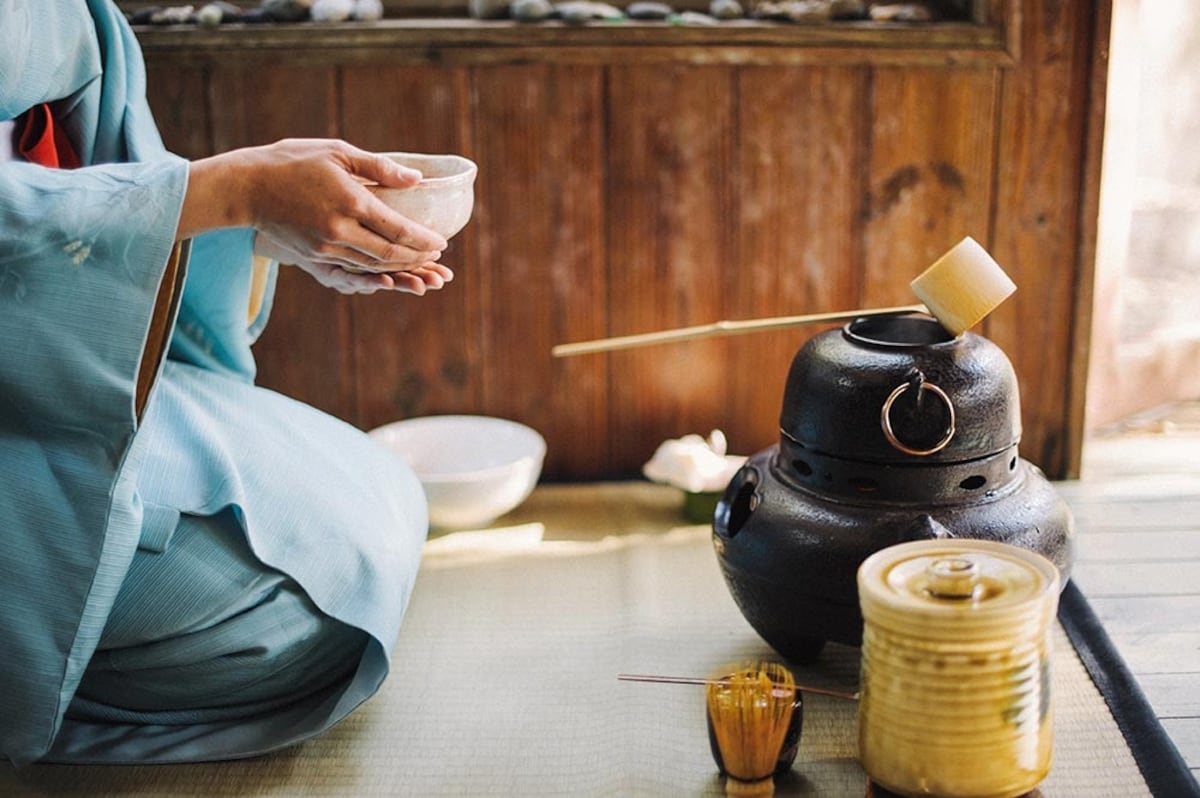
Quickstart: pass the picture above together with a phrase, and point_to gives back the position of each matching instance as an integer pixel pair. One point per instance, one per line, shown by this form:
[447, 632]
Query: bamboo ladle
[959, 290]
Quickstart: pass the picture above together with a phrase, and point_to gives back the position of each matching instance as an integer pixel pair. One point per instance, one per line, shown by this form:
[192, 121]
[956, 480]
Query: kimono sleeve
[82, 257]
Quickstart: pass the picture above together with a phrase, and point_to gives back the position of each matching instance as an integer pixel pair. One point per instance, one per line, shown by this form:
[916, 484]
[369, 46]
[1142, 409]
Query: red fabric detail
[39, 140]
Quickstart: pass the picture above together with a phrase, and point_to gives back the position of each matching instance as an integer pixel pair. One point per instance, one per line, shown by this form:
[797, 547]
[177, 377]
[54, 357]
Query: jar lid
[946, 579]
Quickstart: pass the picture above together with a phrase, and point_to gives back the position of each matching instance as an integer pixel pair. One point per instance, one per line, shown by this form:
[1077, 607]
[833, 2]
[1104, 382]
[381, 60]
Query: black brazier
[891, 430]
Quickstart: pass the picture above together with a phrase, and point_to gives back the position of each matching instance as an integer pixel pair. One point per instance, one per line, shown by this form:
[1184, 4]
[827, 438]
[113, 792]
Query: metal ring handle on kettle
[886, 421]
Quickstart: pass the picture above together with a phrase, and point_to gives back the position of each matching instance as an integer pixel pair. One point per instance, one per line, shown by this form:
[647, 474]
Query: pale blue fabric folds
[212, 331]
[84, 482]
[222, 443]
[202, 632]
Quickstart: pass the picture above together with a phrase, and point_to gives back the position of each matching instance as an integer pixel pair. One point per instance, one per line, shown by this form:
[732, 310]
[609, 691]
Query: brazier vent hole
[973, 483]
[743, 504]
[864, 484]
[802, 468]
[1012, 464]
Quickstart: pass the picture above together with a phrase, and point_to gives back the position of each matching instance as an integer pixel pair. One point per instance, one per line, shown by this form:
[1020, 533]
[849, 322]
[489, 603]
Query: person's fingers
[395, 230]
[409, 283]
[441, 272]
[342, 281]
[432, 279]
[429, 277]
[379, 168]
[336, 217]
[386, 258]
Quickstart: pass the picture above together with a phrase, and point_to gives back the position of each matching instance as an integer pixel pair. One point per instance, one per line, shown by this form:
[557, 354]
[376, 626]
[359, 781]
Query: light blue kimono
[99, 499]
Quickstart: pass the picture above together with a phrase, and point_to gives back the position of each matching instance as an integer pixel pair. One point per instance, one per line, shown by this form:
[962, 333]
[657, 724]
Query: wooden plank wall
[619, 194]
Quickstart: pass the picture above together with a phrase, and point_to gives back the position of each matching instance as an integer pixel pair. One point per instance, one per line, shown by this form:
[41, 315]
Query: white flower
[693, 464]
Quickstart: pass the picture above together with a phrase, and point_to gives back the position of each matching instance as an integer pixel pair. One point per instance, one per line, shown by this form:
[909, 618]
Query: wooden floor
[1137, 509]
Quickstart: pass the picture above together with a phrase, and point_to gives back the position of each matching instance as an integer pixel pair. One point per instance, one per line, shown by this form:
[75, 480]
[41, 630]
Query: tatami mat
[505, 680]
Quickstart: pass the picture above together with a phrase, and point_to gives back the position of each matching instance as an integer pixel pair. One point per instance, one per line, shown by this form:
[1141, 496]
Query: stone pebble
[903, 12]
[811, 11]
[286, 10]
[216, 12]
[368, 10]
[173, 15]
[229, 12]
[209, 16]
[331, 10]
[580, 11]
[799, 11]
[488, 9]
[532, 10]
[648, 10]
[726, 9]
[694, 18]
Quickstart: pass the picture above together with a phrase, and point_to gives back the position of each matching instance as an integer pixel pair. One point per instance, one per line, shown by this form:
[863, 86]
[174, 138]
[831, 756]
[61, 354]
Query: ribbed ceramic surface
[956, 668]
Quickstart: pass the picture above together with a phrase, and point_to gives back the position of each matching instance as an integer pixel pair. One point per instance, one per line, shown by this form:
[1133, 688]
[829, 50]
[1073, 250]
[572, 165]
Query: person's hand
[306, 197]
[416, 280]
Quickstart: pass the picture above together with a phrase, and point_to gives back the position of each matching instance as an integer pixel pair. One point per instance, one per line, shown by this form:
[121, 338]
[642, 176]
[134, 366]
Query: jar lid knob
[953, 577]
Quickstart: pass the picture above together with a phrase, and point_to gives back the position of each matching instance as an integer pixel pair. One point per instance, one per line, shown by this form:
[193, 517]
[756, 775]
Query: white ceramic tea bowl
[444, 198]
[474, 469]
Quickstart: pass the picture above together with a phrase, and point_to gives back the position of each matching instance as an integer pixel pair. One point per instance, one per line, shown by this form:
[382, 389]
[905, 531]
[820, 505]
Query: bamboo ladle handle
[720, 328]
[959, 289]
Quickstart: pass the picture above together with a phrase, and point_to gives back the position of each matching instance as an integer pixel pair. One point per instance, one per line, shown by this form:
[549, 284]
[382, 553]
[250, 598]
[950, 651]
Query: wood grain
[447, 40]
[414, 356]
[181, 108]
[543, 266]
[305, 350]
[1041, 189]
[800, 141]
[928, 172]
[669, 248]
[635, 178]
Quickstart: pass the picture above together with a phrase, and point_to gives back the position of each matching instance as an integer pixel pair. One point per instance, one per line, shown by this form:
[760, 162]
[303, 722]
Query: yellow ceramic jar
[956, 668]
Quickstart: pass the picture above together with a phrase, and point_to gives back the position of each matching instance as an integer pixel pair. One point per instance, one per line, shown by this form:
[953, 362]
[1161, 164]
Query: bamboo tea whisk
[755, 712]
[750, 713]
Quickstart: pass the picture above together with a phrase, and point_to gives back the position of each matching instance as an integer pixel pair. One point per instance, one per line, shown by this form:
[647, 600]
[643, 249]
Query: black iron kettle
[892, 429]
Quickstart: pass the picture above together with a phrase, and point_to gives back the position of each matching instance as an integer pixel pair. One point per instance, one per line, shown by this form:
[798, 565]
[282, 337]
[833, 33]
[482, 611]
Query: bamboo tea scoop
[959, 290]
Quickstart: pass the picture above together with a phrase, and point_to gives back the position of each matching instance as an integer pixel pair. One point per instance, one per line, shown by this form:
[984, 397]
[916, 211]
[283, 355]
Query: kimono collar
[88, 70]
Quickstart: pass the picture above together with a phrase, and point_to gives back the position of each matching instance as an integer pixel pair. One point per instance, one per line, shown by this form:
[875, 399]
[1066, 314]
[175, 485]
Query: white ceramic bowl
[474, 468]
[444, 198]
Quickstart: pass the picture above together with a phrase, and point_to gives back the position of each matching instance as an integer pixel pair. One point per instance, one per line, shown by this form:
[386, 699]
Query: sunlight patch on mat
[471, 547]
